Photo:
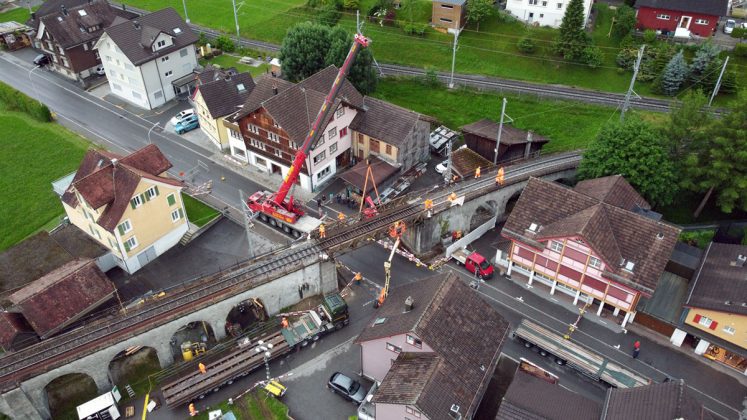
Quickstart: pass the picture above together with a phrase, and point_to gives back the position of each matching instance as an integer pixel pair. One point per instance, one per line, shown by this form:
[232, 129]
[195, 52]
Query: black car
[347, 387]
[41, 60]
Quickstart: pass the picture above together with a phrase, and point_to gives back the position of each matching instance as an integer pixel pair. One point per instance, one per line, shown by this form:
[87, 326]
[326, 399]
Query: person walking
[636, 349]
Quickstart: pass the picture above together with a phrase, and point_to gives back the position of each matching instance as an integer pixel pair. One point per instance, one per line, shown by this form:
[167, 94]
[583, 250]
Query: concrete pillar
[625, 320]
[531, 278]
[35, 396]
[219, 328]
[632, 316]
[702, 347]
[164, 353]
[575, 298]
[100, 376]
[510, 267]
[617, 311]
[601, 306]
[552, 290]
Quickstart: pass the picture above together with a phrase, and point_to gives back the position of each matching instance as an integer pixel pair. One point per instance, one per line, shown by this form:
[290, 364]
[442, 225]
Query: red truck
[474, 263]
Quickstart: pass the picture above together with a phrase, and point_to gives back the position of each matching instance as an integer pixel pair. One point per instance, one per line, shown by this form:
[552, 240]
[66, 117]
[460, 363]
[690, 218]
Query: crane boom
[316, 129]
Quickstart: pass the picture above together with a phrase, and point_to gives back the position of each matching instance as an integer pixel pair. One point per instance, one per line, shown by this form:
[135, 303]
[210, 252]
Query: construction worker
[428, 204]
[340, 216]
[477, 172]
[452, 196]
[192, 410]
[499, 177]
[636, 349]
[284, 322]
[357, 278]
[322, 231]
[202, 368]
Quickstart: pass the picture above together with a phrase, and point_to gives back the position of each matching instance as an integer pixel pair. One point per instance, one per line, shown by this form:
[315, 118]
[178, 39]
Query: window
[85, 47]
[333, 148]
[542, 15]
[663, 17]
[252, 128]
[168, 73]
[388, 149]
[374, 146]
[64, 62]
[82, 12]
[274, 137]
[176, 215]
[130, 244]
[344, 132]
[703, 320]
[258, 144]
[128, 66]
[183, 52]
[560, 5]
[324, 172]
[238, 152]
[164, 58]
[96, 53]
[533, 2]
[177, 30]
[360, 138]
[412, 411]
[171, 199]
[447, 6]
[111, 243]
[136, 95]
[703, 22]
[136, 201]
[379, 321]
[151, 192]
[259, 161]
[556, 246]
[729, 330]
[133, 81]
[320, 157]
[340, 112]
[235, 134]
[594, 262]
[161, 43]
[414, 341]
[544, 4]
[332, 133]
[445, 20]
[278, 153]
[629, 265]
[116, 86]
[392, 347]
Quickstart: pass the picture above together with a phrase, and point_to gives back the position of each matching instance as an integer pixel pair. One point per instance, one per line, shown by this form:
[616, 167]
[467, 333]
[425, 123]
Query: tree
[719, 163]
[624, 21]
[687, 126]
[635, 150]
[673, 75]
[707, 53]
[479, 10]
[407, 8]
[526, 45]
[573, 39]
[304, 50]
[362, 74]
[224, 43]
[593, 56]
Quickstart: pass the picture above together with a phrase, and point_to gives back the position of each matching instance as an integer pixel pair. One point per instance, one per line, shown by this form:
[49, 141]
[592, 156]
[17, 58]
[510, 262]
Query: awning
[381, 171]
[185, 80]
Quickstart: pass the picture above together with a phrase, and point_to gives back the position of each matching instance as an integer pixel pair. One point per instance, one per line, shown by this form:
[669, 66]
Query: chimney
[64, 10]
[136, 24]
[409, 303]
[124, 7]
[114, 162]
[528, 147]
[741, 259]
[274, 89]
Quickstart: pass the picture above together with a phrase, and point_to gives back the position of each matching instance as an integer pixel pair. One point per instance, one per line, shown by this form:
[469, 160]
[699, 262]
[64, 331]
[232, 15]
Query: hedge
[14, 100]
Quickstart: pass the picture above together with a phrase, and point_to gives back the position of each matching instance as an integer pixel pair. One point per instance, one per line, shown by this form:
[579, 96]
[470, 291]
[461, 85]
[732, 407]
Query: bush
[431, 78]
[740, 50]
[17, 101]
[202, 40]
[592, 56]
[415, 28]
[224, 43]
[329, 14]
[626, 58]
[699, 238]
[526, 45]
[351, 4]
[649, 36]
[739, 33]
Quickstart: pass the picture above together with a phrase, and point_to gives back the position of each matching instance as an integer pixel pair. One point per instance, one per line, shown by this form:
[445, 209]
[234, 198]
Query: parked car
[347, 387]
[441, 167]
[729, 26]
[182, 115]
[41, 60]
[100, 70]
[188, 123]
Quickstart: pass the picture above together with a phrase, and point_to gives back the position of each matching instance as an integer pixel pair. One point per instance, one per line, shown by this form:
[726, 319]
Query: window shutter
[171, 199]
[696, 319]
[181, 213]
[127, 246]
[121, 229]
[132, 203]
[147, 196]
[156, 188]
[142, 198]
[714, 324]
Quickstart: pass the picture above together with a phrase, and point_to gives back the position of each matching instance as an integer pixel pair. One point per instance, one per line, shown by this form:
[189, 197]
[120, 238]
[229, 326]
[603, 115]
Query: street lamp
[453, 54]
[265, 347]
[33, 85]
[151, 129]
[186, 16]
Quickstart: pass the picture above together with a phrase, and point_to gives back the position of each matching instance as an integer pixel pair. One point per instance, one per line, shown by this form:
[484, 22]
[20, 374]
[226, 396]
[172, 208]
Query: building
[465, 161]
[128, 204]
[63, 296]
[699, 17]
[275, 119]
[149, 60]
[215, 99]
[394, 134]
[450, 14]
[598, 242]
[433, 346]
[715, 310]
[543, 12]
[14, 36]
[67, 31]
[15, 332]
[516, 144]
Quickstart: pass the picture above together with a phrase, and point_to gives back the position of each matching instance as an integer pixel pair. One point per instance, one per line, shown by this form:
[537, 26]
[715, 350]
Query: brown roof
[488, 129]
[263, 90]
[380, 170]
[531, 398]
[63, 295]
[464, 162]
[407, 378]
[613, 190]
[12, 324]
[222, 96]
[385, 121]
[322, 80]
[136, 37]
[210, 73]
[664, 401]
[71, 29]
[295, 109]
[720, 283]
[462, 329]
[612, 232]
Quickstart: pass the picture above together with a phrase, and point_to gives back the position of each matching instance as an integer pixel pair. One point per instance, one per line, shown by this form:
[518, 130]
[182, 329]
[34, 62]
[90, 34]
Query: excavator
[279, 209]
[395, 232]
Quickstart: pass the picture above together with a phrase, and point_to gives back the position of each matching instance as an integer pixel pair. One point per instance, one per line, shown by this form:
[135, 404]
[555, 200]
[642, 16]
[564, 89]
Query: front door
[685, 22]
[147, 256]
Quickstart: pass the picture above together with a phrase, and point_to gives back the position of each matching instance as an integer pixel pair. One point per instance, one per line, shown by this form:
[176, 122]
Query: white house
[543, 12]
[148, 59]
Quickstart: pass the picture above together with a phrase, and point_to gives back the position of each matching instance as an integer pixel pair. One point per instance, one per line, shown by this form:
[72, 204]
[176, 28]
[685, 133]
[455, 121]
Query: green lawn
[34, 155]
[198, 212]
[569, 125]
[253, 406]
[20, 15]
[228, 60]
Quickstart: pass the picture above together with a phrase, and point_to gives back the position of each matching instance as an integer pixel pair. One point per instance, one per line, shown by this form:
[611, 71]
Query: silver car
[347, 387]
[729, 26]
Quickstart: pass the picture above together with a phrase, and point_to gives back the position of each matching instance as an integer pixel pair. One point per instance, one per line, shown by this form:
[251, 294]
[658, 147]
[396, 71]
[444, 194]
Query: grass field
[228, 60]
[197, 212]
[253, 406]
[34, 155]
[20, 15]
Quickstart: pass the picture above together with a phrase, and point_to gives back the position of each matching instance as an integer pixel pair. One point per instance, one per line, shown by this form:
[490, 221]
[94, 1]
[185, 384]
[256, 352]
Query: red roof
[12, 324]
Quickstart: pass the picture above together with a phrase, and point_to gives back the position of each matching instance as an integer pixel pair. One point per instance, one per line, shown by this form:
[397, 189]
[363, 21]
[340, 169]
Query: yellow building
[716, 307]
[127, 204]
[218, 95]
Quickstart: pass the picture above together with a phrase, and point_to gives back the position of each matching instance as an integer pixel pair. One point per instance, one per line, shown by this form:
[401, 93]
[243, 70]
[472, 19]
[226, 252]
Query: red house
[700, 17]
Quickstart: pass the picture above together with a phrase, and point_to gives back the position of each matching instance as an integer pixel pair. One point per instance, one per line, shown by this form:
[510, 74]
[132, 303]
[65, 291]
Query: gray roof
[385, 121]
[408, 377]
[720, 284]
[295, 109]
[71, 28]
[488, 129]
[322, 80]
[222, 96]
[136, 37]
[708, 7]
[664, 401]
[454, 2]
[666, 302]
[264, 90]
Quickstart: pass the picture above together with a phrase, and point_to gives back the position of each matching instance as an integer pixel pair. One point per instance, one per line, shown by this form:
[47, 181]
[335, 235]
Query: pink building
[598, 242]
[433, 346]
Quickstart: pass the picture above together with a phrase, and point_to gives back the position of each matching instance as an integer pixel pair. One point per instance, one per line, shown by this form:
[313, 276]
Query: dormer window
[160, 44]
[177, 31]
[82, 12]
[556, 246]
[240, 87]
[629, 265]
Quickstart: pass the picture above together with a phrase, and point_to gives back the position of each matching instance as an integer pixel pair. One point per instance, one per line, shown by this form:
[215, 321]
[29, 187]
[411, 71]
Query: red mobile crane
[275, 207]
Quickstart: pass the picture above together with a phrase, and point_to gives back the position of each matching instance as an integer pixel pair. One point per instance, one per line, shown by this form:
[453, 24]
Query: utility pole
[626, 104]
[447, 172]
[236, 20]
[186, 16]
[248, 222]
[500, 131]
[453, 56]
[718, 82]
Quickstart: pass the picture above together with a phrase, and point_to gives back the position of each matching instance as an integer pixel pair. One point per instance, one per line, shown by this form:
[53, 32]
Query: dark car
[347, 387]
[41, 60]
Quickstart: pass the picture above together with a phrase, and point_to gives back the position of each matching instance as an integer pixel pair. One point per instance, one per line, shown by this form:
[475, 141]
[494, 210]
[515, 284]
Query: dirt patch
[134, 369]
[304, 305]
[67, 392]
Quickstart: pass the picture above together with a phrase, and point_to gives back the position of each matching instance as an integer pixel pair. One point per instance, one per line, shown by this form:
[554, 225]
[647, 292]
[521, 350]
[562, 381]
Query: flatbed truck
[473, 262]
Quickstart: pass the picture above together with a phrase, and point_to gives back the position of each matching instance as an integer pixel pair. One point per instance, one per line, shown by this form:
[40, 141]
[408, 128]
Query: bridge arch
[484, 212]
[246, 314]
[192, 339]
[132, 366]
[66, 392]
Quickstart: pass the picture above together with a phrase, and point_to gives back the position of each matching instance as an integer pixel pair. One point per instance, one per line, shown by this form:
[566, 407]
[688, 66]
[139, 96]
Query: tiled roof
[222, 96]
[210, 73]
[462, 329]
[263, 90]
[12, 324]
[664, 401]
[135, 38]
[60, 297]
[385, 121]
[71, 28]
[407, 378]
[100, 182]
[531, 398]
[322, 80]
[380, 170]
[708, 7]
[509, 135]
[720, 283]
[613, 233]
[613, 190]
[295, 109]
[464, 162]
